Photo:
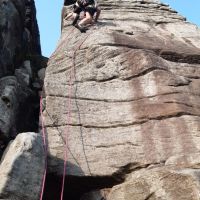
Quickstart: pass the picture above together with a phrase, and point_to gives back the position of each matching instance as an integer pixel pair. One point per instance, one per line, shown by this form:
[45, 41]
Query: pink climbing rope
[68, 128]
[45, 150]
[43, 129]
[69, 118]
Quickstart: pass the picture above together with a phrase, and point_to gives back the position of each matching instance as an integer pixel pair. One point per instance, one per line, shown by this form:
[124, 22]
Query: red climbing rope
[68, 117]
[45, 150]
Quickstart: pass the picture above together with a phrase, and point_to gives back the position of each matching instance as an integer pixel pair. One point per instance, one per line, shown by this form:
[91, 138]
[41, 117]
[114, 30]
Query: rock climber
[78, 7]
[90, 7]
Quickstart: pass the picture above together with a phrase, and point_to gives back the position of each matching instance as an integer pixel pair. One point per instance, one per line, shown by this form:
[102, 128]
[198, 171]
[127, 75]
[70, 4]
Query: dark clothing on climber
[83, 5]
[78, 8]
[85, 2]
[91, 10]
[90, 7]
[80, 5]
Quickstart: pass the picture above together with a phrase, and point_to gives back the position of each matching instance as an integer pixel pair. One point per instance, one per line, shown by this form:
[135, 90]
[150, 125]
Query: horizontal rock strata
[132, 83]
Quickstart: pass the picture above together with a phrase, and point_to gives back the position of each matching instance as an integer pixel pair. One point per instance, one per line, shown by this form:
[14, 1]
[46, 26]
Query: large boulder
[22, 168]
[125, 92]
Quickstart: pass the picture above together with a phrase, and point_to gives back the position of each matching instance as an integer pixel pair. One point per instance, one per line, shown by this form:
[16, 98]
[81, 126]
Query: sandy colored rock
[132, 86]
[160, 183]
[22, 168]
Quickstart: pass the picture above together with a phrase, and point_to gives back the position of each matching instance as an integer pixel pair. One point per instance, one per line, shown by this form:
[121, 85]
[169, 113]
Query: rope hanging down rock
[65, 139]
[45, 149]
[72, 71]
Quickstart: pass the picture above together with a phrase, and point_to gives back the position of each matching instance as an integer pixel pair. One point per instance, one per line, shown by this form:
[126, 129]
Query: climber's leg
[75, 14]
[86, 20]
[69, 16]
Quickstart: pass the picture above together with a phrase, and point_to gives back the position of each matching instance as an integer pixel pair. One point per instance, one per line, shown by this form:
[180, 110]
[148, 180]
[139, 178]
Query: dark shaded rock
[16, 107]
[23, 76]
[11, 41]
[17, 38]
[38, 62]
[20, 60]
[9, 104]
[32, 26]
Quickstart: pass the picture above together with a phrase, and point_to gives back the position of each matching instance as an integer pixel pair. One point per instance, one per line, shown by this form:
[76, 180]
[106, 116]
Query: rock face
[124, 94]
[22, 168]
[20, 58]
[159, 183]
[22, 164]
[19, 35]
[134, 88]
[9, 104]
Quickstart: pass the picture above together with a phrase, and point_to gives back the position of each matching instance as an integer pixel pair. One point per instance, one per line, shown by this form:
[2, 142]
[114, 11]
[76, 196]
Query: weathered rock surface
[9, 104]
[17, 105]
[20, 60]
[19, 35]
[98, 194]
[134, 90]
[160, 183]
[22, 168]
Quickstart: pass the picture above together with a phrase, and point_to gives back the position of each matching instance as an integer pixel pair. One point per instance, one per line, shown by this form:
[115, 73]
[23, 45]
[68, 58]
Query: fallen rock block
[22, 167]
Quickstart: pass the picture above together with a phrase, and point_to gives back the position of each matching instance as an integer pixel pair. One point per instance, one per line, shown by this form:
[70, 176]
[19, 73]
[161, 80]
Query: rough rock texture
[22, 164]
[22, 168]
[160, 183]
[19, 35]
[20, 60]
[97, 194]
[134, 93]
[9, 104]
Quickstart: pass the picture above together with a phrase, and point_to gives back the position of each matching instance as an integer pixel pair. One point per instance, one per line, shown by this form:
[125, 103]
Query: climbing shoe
[80, 28]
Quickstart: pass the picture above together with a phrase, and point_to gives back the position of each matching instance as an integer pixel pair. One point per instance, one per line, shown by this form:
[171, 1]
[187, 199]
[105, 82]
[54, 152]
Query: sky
[49, 16]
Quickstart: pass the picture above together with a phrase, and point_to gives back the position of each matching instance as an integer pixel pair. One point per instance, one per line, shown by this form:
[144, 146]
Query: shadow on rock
[76, 187]
[16, 109]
